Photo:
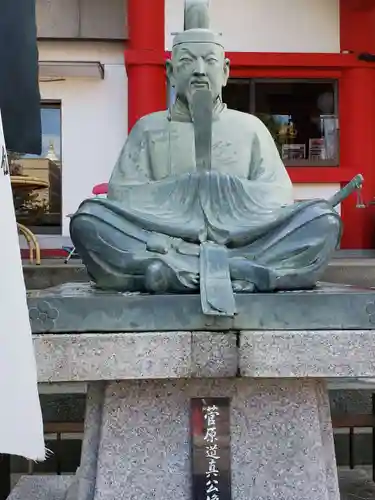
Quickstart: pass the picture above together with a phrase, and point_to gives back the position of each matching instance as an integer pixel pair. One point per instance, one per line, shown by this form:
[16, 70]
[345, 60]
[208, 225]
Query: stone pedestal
[271, 360]
[42, 488]
[281, 439]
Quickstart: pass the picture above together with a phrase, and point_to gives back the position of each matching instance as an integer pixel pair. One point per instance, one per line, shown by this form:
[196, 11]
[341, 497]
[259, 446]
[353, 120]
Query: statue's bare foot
[240, 286]
[160, 278]
[190, 281]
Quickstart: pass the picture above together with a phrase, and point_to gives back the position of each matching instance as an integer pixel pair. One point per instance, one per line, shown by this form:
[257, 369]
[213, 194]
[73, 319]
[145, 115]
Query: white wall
[311, 191]
[94, 118]
[267, 25]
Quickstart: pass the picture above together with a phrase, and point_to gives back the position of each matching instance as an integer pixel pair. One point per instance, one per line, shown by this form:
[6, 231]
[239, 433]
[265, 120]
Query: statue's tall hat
[197, 25]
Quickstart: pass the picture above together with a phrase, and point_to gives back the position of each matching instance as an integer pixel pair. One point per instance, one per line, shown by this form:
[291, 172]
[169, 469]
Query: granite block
[281, 439]
[339, 353]
[154, 355]
[214, 355]
[89, 357]
[327, 440]
[86, 475]
[41, 488]
[63, 358]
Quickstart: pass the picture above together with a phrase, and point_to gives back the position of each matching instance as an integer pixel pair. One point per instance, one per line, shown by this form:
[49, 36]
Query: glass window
[36, 180]
[237, 95]
[301, 116]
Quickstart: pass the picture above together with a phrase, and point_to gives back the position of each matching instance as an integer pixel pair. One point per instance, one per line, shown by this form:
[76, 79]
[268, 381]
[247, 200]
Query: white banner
[21, 426]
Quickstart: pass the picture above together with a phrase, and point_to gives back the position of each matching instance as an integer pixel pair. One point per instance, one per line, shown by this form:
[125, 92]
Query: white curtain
[21, 426]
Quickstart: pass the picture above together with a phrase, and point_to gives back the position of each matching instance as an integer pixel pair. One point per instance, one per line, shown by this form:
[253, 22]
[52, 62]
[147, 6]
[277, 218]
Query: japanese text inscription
[210, 428]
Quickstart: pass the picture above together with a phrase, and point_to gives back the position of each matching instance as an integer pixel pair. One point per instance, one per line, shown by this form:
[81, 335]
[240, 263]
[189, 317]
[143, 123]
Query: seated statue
[199, 199]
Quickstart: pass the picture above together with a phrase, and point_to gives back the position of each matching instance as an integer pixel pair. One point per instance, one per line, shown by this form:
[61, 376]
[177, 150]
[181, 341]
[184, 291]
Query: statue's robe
[159, 207]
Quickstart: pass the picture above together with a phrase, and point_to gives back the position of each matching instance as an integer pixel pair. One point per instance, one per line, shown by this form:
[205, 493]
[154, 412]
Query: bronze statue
[199, 199]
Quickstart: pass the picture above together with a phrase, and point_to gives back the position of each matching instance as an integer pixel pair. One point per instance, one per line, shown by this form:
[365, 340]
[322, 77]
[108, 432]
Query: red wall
[144, 59]
[357, 111]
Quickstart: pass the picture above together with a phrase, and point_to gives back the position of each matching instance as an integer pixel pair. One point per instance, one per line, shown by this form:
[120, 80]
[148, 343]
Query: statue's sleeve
[266, 164]
[133, 165]
[268, 182]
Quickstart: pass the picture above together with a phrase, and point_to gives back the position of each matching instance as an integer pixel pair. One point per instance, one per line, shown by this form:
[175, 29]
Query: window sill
[308, 163]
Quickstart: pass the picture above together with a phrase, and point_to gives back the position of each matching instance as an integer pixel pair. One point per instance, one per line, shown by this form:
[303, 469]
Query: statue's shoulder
[248, 122]
[152, 121]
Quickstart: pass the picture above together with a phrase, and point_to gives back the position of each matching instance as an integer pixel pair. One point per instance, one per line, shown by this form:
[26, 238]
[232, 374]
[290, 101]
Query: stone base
[164, 351]
[281, 439]
[171, 355]
[80, 308]
[41, 488]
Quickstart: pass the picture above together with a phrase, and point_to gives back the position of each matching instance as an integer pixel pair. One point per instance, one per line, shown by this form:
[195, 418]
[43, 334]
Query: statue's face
[198, 65]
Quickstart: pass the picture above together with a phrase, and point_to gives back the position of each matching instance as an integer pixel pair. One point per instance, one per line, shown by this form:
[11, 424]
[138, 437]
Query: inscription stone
[210, 432]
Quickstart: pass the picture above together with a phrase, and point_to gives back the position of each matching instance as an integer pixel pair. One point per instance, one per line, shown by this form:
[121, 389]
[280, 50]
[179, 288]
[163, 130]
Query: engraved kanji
[210, 435]
[211, 451]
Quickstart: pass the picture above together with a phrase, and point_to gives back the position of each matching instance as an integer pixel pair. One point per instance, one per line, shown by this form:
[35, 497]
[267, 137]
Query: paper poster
[21, 426]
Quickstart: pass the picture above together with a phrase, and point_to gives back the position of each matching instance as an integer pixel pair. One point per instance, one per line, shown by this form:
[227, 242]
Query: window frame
[42, 230]
[252, 81]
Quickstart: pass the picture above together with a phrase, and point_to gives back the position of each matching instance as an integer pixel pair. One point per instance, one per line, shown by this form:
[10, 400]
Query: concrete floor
[354, 271]
[356, 484]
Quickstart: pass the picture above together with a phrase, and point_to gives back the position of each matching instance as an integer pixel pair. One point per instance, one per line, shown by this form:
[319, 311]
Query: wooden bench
[63, 428]
[58, 428]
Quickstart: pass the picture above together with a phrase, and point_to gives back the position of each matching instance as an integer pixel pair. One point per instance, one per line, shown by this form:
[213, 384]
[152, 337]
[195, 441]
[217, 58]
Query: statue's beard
[187, 95]
[187, 99]
[193, 90]
[181, 110]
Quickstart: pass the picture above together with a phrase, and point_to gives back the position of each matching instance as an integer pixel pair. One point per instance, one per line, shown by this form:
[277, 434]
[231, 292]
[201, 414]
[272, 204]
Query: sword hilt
[354, 185]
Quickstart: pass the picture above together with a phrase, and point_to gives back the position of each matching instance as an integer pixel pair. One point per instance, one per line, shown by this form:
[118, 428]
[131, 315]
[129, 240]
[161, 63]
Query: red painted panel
[286, 72]
[295, 60]
[147, 91]
[146, 24]
[144, 59]
[320, 175]
[357, 109]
